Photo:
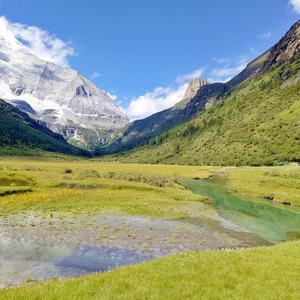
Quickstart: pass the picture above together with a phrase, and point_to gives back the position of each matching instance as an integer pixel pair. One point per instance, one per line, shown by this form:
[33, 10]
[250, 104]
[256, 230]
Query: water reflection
[24, 262]
[90, 259]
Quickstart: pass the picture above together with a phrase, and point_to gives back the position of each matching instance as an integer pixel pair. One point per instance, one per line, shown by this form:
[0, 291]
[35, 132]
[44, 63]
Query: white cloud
[41, 43]
[295, 5]
[265, 35]
[161, 97]
[157, 100]
[190, 76]
[164, 97]
[223, 74]
[95, 75]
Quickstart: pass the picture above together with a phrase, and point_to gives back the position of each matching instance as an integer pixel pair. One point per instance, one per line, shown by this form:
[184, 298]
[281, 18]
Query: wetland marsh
[76, 218]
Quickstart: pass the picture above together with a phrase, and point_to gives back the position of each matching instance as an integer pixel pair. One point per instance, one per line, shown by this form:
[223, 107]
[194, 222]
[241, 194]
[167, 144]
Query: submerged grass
[235, 274]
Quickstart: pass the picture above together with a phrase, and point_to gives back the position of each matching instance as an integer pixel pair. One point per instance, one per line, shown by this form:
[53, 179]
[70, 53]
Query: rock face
[288, 47]
[192, 90]
[61, 98]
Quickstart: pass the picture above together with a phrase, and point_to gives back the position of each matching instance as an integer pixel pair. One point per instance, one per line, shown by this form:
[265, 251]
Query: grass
[14, 184]
[61, 163]
[278, 184]
[73, 187]
[261, 273]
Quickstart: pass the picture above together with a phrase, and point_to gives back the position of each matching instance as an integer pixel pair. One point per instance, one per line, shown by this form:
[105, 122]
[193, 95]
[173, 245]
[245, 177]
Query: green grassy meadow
[278, 184]
[62, 186]
[65, 186]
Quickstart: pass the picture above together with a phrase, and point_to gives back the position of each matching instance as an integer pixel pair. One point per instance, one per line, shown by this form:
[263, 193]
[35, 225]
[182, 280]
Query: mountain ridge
[141, 131]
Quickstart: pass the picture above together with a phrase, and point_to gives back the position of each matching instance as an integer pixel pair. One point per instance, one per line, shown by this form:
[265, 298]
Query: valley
[150, 188]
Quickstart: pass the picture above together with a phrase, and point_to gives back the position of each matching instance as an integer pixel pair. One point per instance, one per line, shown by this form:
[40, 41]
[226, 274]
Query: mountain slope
[142, 131]
[61, 98]
[18, 131]
[256, 123]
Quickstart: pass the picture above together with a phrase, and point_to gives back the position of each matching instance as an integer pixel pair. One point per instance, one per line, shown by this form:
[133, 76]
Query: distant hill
[253, 121]
[18, 131]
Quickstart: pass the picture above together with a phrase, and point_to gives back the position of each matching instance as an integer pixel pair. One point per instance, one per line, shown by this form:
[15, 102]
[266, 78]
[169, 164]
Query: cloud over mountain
[40, 43]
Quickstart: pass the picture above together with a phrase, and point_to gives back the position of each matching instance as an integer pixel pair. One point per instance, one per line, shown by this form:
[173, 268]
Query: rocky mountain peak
[192, 89]
[194, 86]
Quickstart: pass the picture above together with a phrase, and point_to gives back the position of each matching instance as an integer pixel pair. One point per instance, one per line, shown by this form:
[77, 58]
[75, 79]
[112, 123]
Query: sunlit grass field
[64, 186]
[278, 184]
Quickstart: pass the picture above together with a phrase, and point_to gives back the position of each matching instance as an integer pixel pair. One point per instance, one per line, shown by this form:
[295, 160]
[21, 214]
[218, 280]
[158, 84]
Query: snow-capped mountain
[59, 97]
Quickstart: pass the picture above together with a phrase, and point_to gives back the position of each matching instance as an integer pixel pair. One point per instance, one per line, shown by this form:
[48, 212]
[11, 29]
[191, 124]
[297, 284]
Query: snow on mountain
[59, 97]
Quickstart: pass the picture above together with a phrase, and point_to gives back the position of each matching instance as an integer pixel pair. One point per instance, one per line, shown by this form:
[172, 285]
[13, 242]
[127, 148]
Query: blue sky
[144, 52]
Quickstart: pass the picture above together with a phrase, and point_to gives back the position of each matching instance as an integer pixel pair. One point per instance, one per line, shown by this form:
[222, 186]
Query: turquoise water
[272, 222]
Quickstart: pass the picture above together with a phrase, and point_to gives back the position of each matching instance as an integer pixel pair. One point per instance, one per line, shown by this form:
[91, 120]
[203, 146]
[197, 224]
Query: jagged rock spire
[192, 89]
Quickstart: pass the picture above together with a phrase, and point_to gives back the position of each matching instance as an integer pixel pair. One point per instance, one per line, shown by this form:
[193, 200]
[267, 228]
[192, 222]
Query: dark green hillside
[18, 132]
